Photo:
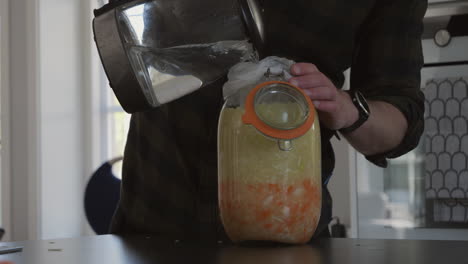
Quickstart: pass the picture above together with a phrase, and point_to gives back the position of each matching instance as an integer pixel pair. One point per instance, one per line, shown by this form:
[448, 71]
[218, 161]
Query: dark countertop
[142, 250]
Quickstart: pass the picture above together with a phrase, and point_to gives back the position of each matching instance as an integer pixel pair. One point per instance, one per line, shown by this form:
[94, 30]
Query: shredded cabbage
[266, 193]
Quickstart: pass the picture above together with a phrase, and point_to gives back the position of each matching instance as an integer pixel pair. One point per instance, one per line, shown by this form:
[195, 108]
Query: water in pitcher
[171, 73]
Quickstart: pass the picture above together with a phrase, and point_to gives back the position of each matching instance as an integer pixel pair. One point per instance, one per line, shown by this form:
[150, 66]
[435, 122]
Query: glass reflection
[135, 18]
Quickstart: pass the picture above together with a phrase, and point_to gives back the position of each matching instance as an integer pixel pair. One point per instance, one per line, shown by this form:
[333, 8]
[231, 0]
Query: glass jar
[269, 163]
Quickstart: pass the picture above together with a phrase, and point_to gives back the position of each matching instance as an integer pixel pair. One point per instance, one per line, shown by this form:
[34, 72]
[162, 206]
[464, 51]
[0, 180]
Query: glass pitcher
[269, 163]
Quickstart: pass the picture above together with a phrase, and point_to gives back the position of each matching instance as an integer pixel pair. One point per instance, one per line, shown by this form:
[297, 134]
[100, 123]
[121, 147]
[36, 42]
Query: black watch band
[363, 109]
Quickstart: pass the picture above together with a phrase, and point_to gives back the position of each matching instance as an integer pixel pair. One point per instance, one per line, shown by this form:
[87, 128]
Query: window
[116, 124]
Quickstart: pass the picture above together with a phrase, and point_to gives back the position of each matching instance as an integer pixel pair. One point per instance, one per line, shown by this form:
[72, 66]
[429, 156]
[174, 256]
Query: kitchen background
[60, 121]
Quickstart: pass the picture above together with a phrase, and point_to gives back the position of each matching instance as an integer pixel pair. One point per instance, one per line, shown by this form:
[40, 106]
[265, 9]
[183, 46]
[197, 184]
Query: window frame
[5, 176]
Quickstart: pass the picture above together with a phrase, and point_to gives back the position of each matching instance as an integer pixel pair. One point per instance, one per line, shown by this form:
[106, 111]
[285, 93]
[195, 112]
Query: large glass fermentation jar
[269, 163]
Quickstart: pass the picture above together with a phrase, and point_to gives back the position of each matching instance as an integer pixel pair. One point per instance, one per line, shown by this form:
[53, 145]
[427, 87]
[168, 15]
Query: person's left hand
[334, 106]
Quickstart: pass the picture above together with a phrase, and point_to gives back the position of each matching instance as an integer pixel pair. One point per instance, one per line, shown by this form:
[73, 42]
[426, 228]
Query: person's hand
[334, 106]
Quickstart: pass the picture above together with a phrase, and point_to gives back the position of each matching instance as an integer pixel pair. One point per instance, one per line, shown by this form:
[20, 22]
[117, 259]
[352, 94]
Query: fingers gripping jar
[269, 163]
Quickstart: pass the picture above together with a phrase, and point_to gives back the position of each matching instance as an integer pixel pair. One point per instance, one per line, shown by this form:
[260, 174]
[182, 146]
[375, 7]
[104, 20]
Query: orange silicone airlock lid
[251, 117]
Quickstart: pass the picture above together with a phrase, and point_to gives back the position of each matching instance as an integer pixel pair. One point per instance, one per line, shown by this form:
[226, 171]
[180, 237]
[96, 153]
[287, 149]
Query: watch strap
[363, 114]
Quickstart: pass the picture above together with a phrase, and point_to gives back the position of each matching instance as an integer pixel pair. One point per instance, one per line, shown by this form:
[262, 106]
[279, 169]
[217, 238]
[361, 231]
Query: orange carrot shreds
[262, 215]
[274, 188]
[307, 185]
[305, 207]
[271, 210]
[251, 187]
[279, 229]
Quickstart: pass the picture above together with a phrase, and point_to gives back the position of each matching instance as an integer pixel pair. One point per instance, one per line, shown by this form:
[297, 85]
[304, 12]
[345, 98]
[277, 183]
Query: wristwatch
[363, 108]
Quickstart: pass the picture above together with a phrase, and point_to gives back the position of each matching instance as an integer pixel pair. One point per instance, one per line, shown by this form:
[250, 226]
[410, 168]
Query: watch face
[362, 103]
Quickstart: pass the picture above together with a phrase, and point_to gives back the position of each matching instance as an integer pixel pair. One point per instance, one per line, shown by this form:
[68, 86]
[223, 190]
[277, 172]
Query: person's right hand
[335, 108]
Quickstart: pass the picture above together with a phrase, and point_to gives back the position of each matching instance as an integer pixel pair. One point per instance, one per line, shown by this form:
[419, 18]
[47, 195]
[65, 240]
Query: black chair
[102, 195]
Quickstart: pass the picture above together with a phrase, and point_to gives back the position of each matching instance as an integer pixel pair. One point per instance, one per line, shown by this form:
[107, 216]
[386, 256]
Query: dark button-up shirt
[170, 166]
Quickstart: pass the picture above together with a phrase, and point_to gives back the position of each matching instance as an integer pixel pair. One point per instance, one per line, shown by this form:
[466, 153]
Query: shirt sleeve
[387, 64]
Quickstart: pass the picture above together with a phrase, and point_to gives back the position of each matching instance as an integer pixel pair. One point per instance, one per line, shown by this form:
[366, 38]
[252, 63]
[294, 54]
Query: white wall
[61, 117]
[24, 119]
[52, 82]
